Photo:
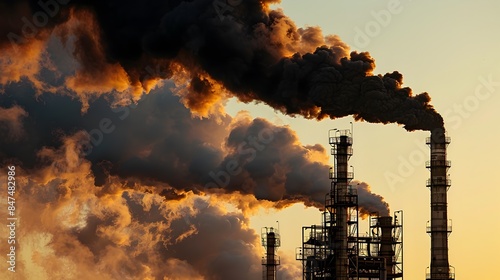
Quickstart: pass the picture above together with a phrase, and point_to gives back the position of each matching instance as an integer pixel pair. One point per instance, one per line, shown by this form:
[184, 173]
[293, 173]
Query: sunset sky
[154, 140]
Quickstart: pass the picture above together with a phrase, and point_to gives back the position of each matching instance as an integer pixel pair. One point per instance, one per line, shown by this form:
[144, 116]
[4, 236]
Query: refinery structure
[336, 250]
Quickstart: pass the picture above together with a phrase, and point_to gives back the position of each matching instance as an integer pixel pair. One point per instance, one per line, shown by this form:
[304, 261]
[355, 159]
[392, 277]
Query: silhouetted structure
[335, 250]
[271, 241]
[439, 227]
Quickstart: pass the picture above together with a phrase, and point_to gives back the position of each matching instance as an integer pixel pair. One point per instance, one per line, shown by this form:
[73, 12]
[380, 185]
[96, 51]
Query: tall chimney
[439, 228]
[342, 151]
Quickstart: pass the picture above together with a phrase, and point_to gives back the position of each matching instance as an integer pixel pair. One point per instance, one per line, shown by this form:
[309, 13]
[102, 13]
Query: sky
[154, 141]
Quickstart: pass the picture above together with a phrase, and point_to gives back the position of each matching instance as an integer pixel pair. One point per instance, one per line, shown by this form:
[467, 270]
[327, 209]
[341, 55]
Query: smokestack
[386, 242]
[439, 229]
[271, 241]
[342, 151]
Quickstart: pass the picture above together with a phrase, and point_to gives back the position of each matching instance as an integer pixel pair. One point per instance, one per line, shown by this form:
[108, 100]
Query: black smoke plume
[256, 53]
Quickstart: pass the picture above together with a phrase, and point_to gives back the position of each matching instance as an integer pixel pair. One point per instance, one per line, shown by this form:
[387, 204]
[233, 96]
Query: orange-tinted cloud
[24, 61]
[68, 228]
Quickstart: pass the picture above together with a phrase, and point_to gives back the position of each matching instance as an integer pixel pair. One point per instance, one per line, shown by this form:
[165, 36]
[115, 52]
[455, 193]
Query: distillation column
[342, 150]
[439, 229]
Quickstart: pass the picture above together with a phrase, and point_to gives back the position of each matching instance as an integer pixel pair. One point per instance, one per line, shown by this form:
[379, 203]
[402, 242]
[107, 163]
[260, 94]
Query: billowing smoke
[289, 268]
[158, 141]
[146, 221]
[230, 155]
[74, 230]
[119, 189]
[255, 53]
[150, 216]
[370, 203]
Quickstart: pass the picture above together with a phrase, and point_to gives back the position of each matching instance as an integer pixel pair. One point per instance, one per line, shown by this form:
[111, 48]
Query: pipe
[386, 242]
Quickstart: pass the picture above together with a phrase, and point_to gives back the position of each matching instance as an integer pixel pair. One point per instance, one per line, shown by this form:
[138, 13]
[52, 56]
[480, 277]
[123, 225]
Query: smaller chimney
[271, 241]
[386, 242]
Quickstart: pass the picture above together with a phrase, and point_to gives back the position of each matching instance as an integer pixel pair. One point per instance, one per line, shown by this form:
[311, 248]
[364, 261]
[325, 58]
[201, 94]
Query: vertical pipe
[386, 242]
[383, 271]
[309, 268]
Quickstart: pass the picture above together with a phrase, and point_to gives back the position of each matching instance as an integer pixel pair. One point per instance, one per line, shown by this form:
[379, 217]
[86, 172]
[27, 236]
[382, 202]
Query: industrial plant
[336, 250]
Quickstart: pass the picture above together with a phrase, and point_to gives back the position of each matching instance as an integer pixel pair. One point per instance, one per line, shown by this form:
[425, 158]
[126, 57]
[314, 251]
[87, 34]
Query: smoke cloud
[150, 211]
[225, 155]
[257, 54]
[370, 203]
[74, 230]
[122, 184]
[289, 268]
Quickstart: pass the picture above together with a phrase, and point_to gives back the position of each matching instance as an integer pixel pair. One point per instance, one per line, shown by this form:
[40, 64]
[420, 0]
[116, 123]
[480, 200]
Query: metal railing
[447, 228]
[337, 140]
[447, 140]
[431, 276]
[271, 261]
[348, 151]
[334, 176]
[428, 276]
[438, 163]
[438, 182]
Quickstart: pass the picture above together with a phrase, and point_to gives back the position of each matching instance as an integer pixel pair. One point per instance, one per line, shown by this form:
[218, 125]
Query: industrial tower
[342, 206]
[439, 227]
[271, 241]
[335, 250]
